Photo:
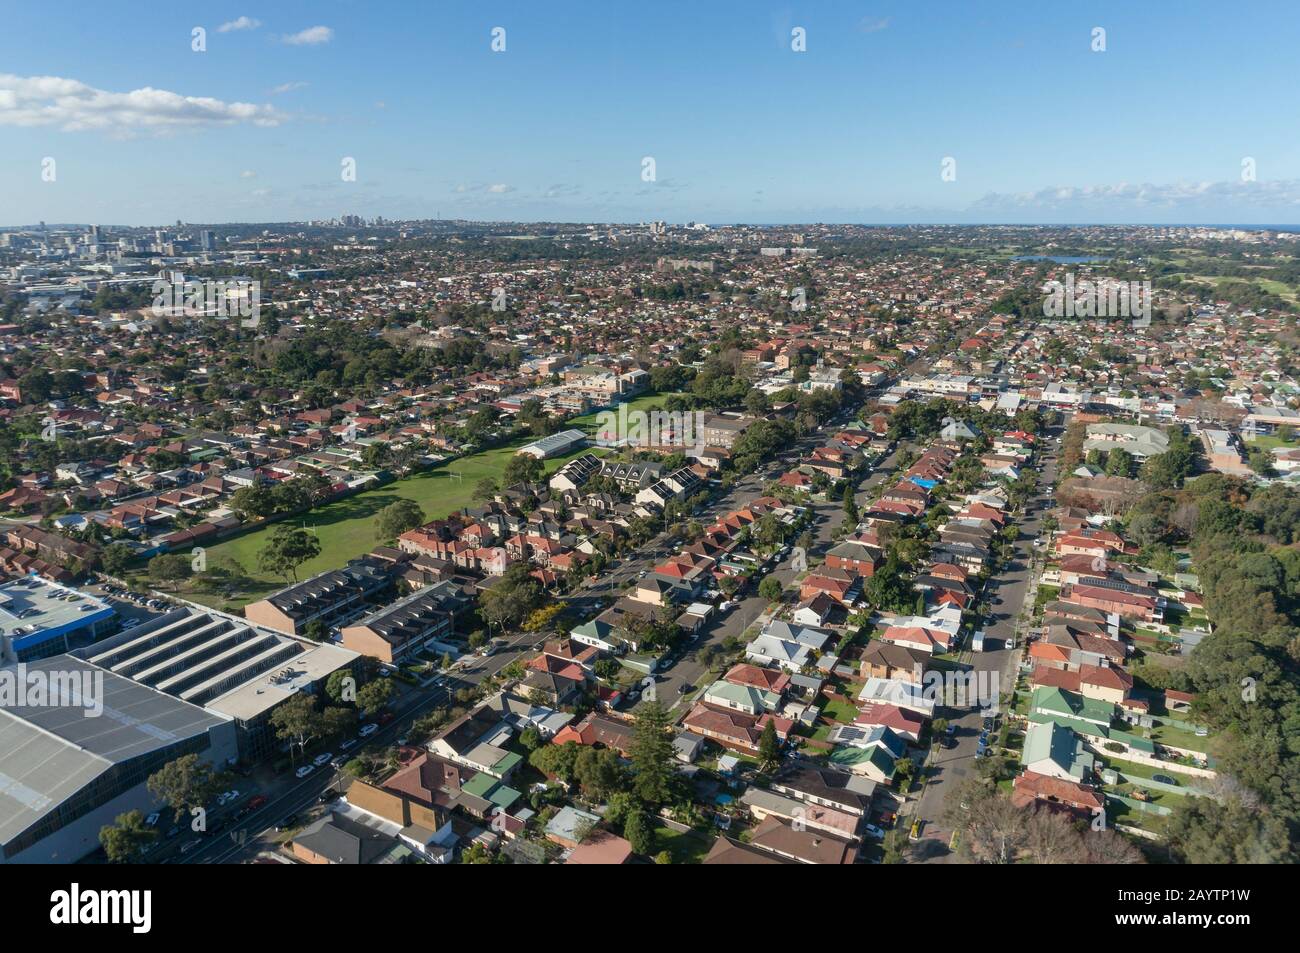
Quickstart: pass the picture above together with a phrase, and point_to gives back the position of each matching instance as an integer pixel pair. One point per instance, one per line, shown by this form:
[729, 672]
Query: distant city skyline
[877, 113]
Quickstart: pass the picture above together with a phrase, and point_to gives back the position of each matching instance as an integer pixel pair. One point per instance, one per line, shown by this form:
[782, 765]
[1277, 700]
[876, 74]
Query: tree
[485, 489]
[169, 567]
[556, 761]
[598, 772]
[850, 504]
[373, 696]
[256, 502]
[1051, 839]
[510, 600]
[396, 518]
[185, 783]
[769, 746]
[341, 687]
[638, 833]
[652, 755]
[316, 630]
[522, 468]
[1119, 462]
[1109, 847]
[770, 589]
[1204, 831]
[287, 549]
[116, 558]
[996, 832]
[297, 721]
[127, 838]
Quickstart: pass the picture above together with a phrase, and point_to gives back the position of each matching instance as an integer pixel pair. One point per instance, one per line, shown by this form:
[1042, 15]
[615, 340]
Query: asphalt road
[1008, 593]
[827, 517]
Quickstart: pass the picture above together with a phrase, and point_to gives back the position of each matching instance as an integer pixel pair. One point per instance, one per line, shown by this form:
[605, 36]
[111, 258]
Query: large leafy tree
[185, 783]
[652, 755]
[396, 518]
[287, 549]
[127, 838]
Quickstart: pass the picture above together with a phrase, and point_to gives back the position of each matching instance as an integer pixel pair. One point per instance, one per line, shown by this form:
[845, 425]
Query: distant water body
[1060, 259]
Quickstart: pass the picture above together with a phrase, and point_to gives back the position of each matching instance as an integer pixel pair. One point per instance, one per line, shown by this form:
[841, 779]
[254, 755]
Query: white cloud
[1146, 196]
[240, 23]
[74, 106]
[248, 174]
[288, 88]
[312, 36]
[873, 24]
[498, 189]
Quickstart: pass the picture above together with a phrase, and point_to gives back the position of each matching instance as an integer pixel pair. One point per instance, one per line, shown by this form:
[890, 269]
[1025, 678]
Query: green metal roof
[1072, 705]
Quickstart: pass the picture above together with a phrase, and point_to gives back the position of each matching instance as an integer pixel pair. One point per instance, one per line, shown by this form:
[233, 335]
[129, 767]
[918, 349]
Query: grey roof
[49, 752]
[345, 841]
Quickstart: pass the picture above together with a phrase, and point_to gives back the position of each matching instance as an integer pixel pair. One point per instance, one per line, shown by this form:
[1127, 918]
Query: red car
[256, 802]
[386, 717]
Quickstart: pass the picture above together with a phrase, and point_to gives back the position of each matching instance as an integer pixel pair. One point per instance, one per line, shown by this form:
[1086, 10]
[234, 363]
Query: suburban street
[1008, 595]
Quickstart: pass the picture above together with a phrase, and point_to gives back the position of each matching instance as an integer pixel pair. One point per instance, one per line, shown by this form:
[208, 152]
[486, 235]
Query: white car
[305, 770]
[872, 831]
[321, 759]
[367, 730]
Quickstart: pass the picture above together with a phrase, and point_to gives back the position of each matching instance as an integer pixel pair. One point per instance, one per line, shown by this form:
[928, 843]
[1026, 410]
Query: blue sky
[740, 126]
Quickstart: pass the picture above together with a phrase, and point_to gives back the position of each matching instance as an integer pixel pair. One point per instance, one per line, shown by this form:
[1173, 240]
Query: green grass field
[1273, 442]
[645, 403]
[346, 527]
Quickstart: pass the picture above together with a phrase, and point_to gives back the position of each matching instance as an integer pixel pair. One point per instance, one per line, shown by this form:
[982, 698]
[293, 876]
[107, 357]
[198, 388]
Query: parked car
[1163, 779]
[367, 730]
[257, 800]
[872, 831]
[190, 845]
[152, 819]
[305, 770]
[322, 758]
[287, 823]
[914, 834]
